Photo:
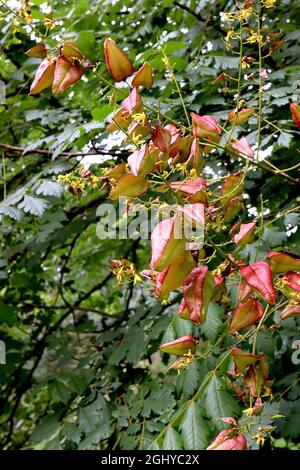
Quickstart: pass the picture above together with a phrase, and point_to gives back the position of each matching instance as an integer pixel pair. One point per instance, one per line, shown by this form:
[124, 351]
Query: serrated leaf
[284, 139]
[172, 440]
[214, 323]
[11, 212]
[50, 188]
[220, 403]
[178, 327]
[33, 205]
[194, 428]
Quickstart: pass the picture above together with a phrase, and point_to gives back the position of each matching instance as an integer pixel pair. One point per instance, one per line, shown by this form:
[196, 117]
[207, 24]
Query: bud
[70, 50]
[166, 249]
[240, 116]
[65, 74]
[132, 103]
[161, 137]
[143, 77]
[283, 262]
[229, 439]
[295, 110]
[206, 127]
[39, 51]
[246, 314]
[258, 275]
[194, 189]
[172, 277]
[232, 187]
[242, 359]
[180, 346]
[198, 290]
[117, 62]
[290, 311]
[43, 77]
[130, 186]
[141, 162]
[255, 377]
[242, 146]
[245, 235]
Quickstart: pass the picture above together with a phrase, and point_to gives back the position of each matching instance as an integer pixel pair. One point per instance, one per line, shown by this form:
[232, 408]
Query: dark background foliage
[82, 367]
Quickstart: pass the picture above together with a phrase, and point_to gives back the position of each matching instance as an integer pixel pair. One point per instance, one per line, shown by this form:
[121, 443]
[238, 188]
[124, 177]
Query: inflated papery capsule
[283, 262]
[246, 314]
[39, 51]
[259, 276]
[43, 77]
[180, 346]
[144, 76]
[118, 64]
[295, 110]
[198, 291]
[66, 74]
[229, 439]
[241, 116]
[129, 185]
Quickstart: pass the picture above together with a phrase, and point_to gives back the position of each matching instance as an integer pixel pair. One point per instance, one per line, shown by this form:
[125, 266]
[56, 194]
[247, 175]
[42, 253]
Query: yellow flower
[229, 16]
[269, 3]
[166, 62]
[78, 185]
[230, 35]
[248, 411]
[140, 117]
[137, 139]
[94, 181]
[254, 37]
[244, 13]
[64, 178]
[259, 438]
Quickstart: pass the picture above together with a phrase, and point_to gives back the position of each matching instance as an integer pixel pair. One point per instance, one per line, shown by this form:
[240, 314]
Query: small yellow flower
[244, 13]
[49, 22]
[248, 411]
[229, 16]
[254, 37]
[259, 438]
[78, 185]
[269, 3]
[230, 35]
[64, 178]
[137, 139]
[140, 117]
[94, 181]
[166, 62]
[193, 173]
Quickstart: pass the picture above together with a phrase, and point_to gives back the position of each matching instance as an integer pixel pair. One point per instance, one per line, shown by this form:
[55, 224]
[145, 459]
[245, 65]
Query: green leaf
[172, 440]
[284, 139]
[194, 428]
[220, 403]
[50, 188]
[214, 323]
[101, 113]
[33, 205]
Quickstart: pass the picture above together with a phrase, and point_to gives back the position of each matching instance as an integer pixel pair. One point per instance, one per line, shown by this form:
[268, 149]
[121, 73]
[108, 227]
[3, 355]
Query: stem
[4, 176]
[239, 86]
[258, 328]
[182, 102]
[260, 94]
